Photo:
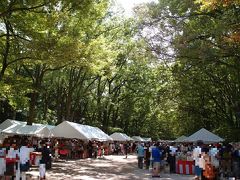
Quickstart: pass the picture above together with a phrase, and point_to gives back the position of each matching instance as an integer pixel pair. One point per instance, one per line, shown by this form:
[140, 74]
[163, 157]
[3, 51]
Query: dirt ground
[109, 167]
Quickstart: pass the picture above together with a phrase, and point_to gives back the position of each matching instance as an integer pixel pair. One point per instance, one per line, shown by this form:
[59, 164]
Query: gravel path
[109, 167]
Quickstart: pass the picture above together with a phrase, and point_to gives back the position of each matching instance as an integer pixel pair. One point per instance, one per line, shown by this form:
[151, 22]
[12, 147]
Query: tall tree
[201, 39]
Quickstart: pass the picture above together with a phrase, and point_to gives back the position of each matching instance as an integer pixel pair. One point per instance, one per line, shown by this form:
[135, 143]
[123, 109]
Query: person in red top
[11, 159]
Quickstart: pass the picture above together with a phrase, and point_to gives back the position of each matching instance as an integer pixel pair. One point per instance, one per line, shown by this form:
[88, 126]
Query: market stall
[184, 162]
[73, 130]
[9, 122]
[138, 139]
[70, 130]
[205, 136]
[28, 130]
[180, 139]
[121, 137]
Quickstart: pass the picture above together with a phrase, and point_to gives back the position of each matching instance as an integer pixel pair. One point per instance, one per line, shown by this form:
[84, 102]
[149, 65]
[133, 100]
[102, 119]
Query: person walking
[140, 154]
[126, 147]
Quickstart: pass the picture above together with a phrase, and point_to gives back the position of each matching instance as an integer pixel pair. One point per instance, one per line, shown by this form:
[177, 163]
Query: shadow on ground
[109, 167]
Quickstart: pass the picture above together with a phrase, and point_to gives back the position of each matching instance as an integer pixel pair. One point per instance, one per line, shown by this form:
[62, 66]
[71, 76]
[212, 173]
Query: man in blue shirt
[140, 153]
[156, 158]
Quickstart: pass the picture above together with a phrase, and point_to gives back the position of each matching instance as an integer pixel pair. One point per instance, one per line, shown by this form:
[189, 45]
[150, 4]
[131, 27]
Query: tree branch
[10, 10]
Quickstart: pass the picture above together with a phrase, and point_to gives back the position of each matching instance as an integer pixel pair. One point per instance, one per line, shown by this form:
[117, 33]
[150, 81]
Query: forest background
[171, 69]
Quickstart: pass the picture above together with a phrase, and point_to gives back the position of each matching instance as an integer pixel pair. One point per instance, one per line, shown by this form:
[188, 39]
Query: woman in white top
[11, 159]
[24, 158]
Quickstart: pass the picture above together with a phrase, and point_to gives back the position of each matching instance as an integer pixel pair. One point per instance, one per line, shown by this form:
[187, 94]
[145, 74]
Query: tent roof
[165, 141]
[180, 139]
[45, 125]
[74, 130]
[147, 139]
[120, 137]
[8, 122]
[138, 138]
[2, 137]
[100, 135]
[205, 136]
[29, 130]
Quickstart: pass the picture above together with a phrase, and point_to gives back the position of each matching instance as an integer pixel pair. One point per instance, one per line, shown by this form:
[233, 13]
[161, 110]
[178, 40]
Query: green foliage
[202, 53]
[115, 129]
[171, 70]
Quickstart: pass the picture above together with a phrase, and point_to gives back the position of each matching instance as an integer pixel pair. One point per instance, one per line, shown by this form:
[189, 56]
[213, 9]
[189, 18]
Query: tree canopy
[170, 70]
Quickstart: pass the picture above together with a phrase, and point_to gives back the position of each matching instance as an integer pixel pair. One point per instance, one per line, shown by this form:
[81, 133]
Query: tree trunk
[5, 54]
[32, 108]
[60, 98]
[45, 106]
[68, 106]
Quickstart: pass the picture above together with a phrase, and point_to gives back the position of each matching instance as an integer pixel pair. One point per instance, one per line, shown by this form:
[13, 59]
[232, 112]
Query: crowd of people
[15, 157]
[15, 153]
[211, 161]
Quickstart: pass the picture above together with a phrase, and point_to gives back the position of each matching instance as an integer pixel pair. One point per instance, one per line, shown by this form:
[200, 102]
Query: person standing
[11, 160]
[172, 158]
[90, 149]
[226, 158]
[140, 154]
[208, 172]
[24, 158]
[56, 150]
[236, 161]
[95, 150]
[197, 158]
[2, 161]
[156, 158]
[46, 161]
[147, 155]
[126, 147]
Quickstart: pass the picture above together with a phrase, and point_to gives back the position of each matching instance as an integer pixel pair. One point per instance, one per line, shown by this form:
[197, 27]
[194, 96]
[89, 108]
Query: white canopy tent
[205, 136]
[138, 139]
[28, 130]
[50, 127]
[120, 137]
[9, 122]
[102, 136]
[180, 139]
[2, 137]
[78, 131]
[146, 139]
